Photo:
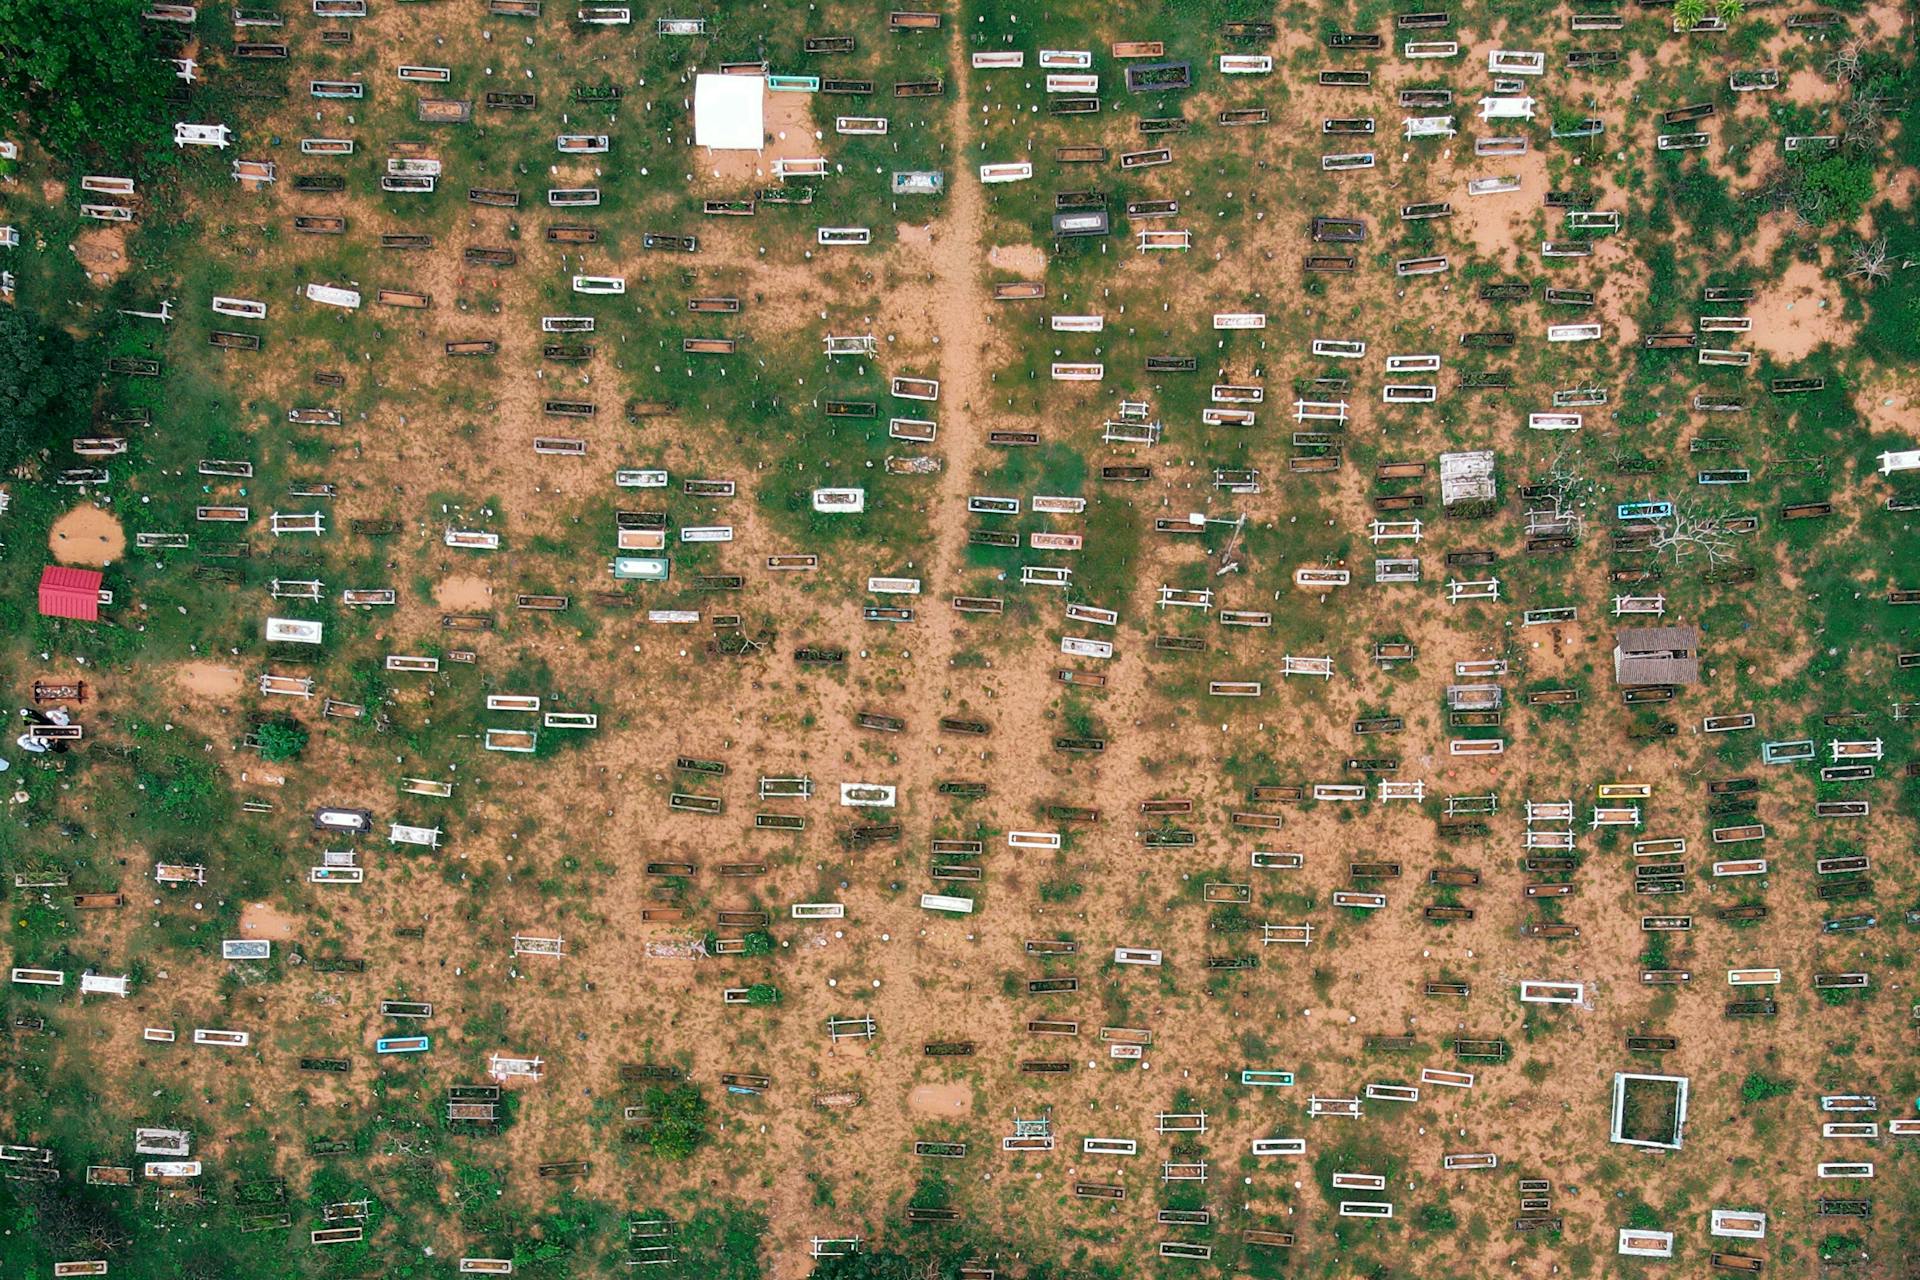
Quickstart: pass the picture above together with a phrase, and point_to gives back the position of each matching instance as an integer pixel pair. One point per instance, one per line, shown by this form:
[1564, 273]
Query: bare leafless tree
[1844, 65]
[1870, 260]
[1865, 117]
[1693, 528]
[1570, 485]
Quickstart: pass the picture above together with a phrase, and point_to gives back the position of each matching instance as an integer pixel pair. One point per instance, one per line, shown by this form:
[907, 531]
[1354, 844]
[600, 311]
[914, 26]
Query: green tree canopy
[46, 383]
[90, 77]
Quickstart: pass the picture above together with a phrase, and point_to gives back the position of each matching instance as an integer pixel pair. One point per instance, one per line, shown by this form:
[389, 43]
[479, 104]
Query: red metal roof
[70, 593]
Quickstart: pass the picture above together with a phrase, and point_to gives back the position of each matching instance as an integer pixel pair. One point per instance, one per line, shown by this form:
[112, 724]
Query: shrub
[1835, 188]
[184, 788]
[1759, 1088]
[763, 993]
[281, 740]
[876, 1266]
[679, 1120]
[758, 943]
[1705, 201]
[1894, 304]
[1834, 1245]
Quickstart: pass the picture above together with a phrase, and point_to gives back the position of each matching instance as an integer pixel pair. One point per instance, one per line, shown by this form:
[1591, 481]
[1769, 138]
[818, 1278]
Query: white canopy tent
[729, 112]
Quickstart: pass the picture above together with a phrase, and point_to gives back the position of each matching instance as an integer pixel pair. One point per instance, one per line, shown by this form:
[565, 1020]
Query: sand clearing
[1027, 259]
[262, 920]
[1795, 314]
[87, 535]
[209, 679]
[465, 594]
[103, 252]
[941, 1099]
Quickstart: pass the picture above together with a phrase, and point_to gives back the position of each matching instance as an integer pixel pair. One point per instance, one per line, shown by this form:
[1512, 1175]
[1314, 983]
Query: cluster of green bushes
[91, 80]
[46, 381]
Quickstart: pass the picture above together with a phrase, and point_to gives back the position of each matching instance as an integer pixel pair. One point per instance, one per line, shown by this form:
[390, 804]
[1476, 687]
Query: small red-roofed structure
[70, 593]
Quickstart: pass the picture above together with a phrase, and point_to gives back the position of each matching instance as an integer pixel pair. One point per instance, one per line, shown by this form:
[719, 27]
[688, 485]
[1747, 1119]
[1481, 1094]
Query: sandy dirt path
[959, 301]
[945, 265]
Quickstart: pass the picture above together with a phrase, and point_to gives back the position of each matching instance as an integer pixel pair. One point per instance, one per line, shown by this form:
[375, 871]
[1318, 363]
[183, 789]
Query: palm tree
[1729, 9]
[1688, 14]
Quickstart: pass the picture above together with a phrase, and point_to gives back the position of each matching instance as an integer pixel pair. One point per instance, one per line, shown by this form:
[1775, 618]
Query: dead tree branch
[1691, 530]
[1844, 65]
[1870, 260]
